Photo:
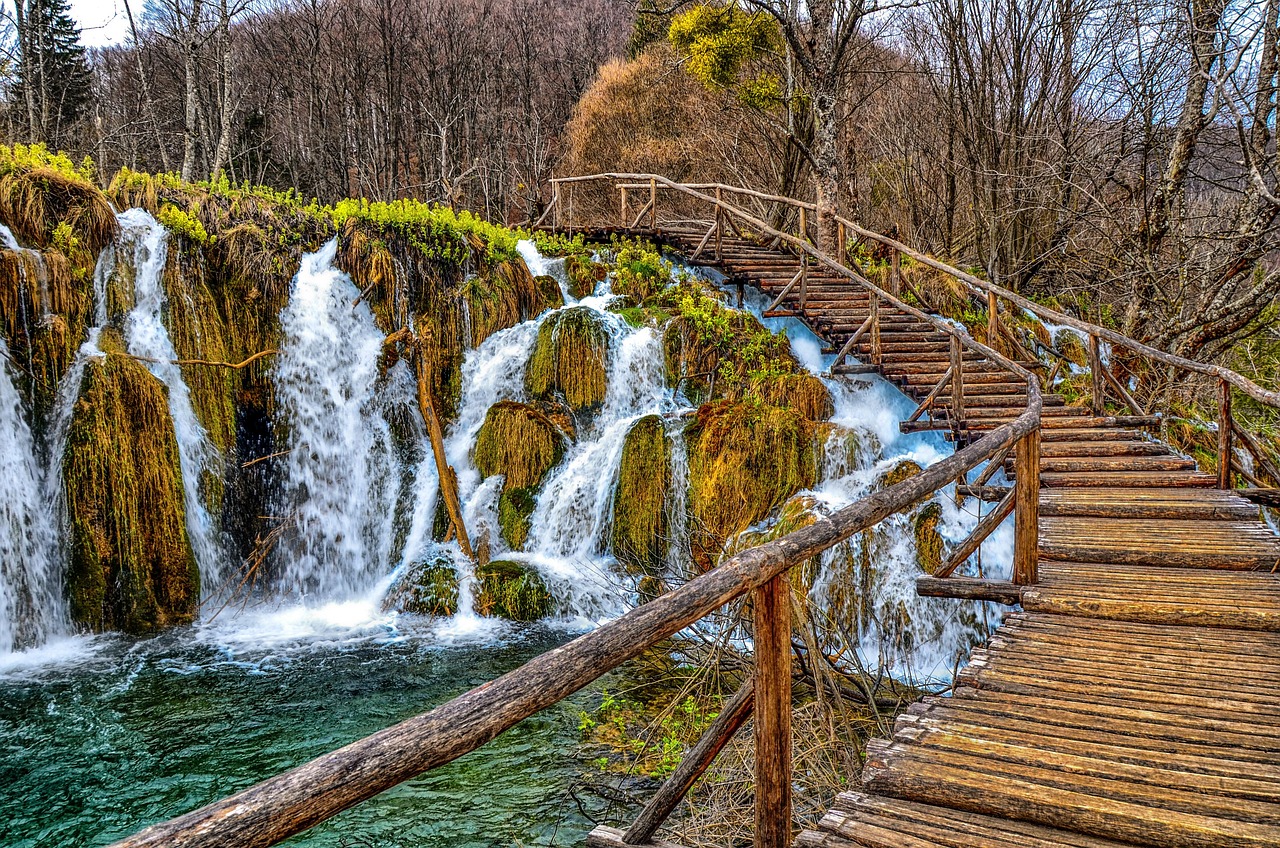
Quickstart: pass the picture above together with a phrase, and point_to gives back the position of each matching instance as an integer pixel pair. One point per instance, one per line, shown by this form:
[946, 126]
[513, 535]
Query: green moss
[1071, 346]
[512, 590]
[549, 294]
[745, 460]
[427, 588]
[515, 507]
[801, 391]
[436, 232]
[570, 360]
[131, 566]
[903, 470]
[639, 531]
[929, 544]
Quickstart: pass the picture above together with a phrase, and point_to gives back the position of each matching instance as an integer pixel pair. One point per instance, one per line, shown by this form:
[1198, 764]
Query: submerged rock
[639, 533]
[570, 360]
[512, 590]
[131, 566]
[929, 544]
[904, 470]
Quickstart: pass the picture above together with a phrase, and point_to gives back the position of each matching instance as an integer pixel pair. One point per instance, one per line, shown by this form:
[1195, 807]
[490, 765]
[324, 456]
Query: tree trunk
[191, 118]
[826, 162]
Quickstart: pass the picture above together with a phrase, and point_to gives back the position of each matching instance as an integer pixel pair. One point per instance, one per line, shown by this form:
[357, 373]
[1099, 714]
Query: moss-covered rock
[549, 293]
[570, 360]
[929, 543]
[131, 567]
[801, 391]
[1068, 343]
[426, 588]
[512, 590]
[745, 460]
[522, 444]
[639, 532]
[903, 470]
[584, 274]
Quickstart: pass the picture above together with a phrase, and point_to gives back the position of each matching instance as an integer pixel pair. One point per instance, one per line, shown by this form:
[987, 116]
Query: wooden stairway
[1136, 698]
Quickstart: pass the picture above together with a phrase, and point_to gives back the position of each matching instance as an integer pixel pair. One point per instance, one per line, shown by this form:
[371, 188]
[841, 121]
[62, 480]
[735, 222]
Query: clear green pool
[121, 734]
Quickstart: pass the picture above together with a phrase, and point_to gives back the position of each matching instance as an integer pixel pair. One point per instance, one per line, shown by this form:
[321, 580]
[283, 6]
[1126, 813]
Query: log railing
[282, 806]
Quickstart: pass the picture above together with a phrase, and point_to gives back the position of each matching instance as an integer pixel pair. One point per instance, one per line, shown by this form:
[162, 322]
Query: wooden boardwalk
[1136, 698]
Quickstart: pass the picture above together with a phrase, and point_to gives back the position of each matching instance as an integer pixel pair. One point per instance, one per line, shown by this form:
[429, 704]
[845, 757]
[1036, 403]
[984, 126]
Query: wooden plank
[772, 621]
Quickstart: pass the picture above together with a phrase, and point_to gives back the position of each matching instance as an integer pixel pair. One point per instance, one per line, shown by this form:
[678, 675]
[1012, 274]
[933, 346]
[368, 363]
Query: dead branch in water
[234, 366]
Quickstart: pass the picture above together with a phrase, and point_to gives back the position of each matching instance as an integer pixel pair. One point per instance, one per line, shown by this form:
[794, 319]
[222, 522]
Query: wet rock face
[522, 444]
[427, 588]
[131, 567]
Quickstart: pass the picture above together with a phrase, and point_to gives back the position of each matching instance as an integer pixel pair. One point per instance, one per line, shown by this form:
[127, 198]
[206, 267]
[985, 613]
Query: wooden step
[1204, 505]
[1116, 463]
[1124, 479]
[1239, 545]
[1101, 448]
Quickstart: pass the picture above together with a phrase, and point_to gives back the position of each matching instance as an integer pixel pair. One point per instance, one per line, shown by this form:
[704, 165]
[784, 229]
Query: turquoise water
[122, 734]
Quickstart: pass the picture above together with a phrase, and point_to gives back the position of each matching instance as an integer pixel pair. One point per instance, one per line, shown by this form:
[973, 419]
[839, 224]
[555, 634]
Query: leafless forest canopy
[1117, 155]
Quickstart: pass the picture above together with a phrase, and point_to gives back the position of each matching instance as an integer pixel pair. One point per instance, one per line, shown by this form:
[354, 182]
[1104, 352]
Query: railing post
[993, 318]
[1026, 516]
[804, 280]
[1224, 434]
[555, 205]
[957, 380]
[720, 229]
[842, 247]
[622, 208]
[773, 713]
[895, 272]
[804, 224]
[653, 205]
[875, 329]
[1099, 402]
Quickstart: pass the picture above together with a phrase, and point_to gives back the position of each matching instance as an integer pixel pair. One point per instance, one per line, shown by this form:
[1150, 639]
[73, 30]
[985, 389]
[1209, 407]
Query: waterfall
[342, 476]
[146, 337]
[31, 602]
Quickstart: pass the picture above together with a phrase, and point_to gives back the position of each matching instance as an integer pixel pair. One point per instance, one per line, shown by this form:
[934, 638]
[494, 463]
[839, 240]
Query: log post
[842, 246]
[732, 716]
[1099, 401]
[895, 272]
[720, 233]
[804, 280]
[555, 205]
[1026, 526]
[1224, 434]
[875, 329]
[957, 380]
[622, 207]
[804, 224]
[653, 205]
[773, 713]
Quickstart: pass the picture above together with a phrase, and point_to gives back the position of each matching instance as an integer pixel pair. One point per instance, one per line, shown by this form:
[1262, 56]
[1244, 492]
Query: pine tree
[53, 91]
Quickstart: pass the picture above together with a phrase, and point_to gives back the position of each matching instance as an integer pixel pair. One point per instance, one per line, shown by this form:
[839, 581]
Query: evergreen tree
[53, 91]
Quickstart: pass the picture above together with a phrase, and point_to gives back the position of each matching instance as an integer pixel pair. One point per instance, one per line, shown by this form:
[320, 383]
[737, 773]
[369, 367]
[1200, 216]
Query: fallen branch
[234, 366]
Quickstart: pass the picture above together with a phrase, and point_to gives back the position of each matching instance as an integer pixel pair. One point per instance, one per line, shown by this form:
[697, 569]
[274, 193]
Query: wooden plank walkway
[1136, 698]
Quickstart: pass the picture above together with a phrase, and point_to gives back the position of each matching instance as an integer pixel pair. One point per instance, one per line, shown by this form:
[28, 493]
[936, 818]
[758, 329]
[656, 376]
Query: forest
[318, 413]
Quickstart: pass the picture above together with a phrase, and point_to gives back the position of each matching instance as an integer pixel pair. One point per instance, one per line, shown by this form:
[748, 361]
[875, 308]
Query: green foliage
[21, 158]
[435, 231]
[648, 741]
[639, 271]
[556, 244]
[718, 42]
[183, 224]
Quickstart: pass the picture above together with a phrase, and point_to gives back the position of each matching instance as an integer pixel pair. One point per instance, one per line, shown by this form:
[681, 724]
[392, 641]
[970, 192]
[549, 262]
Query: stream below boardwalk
[118, 734]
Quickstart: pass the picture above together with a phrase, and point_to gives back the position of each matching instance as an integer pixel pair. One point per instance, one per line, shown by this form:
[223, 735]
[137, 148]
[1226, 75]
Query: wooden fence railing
[294, 801]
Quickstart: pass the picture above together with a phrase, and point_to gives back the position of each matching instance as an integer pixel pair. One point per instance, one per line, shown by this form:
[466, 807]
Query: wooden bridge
[1134, 699]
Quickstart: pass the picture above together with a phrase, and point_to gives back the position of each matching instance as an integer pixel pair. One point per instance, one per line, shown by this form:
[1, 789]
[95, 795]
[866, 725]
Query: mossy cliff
[522, 444]
[131, 566]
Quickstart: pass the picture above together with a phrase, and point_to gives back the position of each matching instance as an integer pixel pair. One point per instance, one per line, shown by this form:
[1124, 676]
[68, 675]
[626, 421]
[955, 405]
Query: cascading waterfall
[342, 476]
[147, 338]
[31, 602]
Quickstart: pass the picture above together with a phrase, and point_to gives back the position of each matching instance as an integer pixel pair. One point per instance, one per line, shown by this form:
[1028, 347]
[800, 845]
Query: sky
[102, 22]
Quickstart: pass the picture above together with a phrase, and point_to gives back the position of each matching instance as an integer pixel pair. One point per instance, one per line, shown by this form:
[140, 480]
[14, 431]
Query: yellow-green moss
[639, 532]
[745, 459]
[903, 470]
[797, 513]
[131, 566]
[515, 511]
[801, 391]
[49, 202]
[570, 360]
[1071, 346]
[512, 590]
[929, 544]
